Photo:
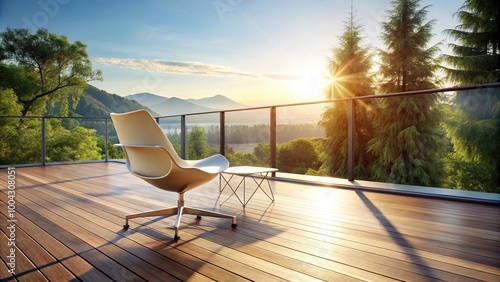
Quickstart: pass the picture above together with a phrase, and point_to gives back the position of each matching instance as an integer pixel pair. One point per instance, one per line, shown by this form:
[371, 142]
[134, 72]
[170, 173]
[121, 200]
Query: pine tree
[476, 57]
[474, 122]
[350, 69]
[407, 142]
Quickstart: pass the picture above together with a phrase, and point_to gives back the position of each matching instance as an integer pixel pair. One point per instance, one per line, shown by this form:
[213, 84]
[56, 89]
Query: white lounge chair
[151, 157]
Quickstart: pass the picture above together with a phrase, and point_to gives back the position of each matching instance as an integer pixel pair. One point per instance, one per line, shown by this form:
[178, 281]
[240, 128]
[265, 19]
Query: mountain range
[99, 103]
[176, 106]
[95, 102]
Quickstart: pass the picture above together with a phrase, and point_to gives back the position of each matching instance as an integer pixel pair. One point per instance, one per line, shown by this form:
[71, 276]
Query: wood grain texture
[70, 217]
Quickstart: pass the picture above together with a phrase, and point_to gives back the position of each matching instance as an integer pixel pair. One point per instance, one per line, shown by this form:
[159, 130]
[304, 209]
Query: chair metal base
[179, 211]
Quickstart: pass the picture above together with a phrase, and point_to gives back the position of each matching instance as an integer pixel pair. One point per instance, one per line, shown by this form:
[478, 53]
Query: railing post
[272, 138]
[183, 136]
[350, 139]
[107, 139]
[43, 141]
[222, 137]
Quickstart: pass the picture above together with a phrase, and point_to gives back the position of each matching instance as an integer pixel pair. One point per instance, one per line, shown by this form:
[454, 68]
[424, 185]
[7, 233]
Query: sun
[313, 84]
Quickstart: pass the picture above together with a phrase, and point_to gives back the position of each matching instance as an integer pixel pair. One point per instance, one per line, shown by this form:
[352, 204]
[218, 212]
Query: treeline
[418, 139]
[242, 134]
[297, 155]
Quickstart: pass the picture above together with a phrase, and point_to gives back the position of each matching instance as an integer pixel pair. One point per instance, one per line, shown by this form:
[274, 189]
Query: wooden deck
[68, 226]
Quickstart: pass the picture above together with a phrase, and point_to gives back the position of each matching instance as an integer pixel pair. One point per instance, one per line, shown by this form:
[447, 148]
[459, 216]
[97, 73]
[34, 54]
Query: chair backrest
[159, 164]
[140, 128]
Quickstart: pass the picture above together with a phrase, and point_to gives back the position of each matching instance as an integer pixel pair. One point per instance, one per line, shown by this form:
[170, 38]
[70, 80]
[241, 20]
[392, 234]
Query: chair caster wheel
[234, 225]
[198, 217]
[126, 226]
[176, 238]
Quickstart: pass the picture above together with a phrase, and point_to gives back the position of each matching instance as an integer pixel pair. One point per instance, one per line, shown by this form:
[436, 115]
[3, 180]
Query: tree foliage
[408, 142]
[469, 175]
[43, 68]
[77, 144]
[407, 63]
[197, 145]
[350, 67]
[476, 55]
[474, 125]
[263, 153]
[297, 156]
[37, 70]
[242, 159]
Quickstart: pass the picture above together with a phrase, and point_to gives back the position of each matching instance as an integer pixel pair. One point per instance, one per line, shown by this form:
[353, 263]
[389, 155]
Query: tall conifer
[476, 55]
[350, 68]
[407, 142]
[474, 124]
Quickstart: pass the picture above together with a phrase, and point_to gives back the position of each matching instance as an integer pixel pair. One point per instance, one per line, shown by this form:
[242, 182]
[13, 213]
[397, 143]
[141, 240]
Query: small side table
[253, 172]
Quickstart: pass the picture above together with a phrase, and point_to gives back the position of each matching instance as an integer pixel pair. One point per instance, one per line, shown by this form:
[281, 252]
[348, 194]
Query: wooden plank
[4, 272]
[99, 219]
[92, 255]
[107, 243]
[22, 267]
[308, 233]
[71, 260]
[281, 273]
[52, 269]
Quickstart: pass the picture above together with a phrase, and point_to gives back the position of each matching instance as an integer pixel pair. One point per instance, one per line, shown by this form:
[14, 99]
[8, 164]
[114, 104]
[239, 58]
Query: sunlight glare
[313, 84]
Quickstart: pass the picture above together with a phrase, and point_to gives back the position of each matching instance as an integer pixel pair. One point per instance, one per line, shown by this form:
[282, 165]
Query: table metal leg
[243, 181]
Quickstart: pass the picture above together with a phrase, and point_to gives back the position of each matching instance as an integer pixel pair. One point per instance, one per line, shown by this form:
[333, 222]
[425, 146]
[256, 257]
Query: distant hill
[147, 99]
[177, 106]
[218, 102]
[96, 102]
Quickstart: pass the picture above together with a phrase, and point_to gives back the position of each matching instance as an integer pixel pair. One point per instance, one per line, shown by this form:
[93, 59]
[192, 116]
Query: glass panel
[202, 136]
[171, 126]
[470, 157]
[439, 140]
[75, 139]
[247, 137]
[21, 141]
[300, 139]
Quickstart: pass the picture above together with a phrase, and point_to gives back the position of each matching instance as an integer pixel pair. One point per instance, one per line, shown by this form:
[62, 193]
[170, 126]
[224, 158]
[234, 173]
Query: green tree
[263, 153]
[237, 159]
[77, 144]
[476, 56]
[8, 130]
[43, 68]
[408, 141]
[350, 67]
[474, 124]
[113, 152]
[297, 156]
[197, 145]
[175, 139]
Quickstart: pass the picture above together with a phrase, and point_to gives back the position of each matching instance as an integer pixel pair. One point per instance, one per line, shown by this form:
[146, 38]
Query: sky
[257, 52]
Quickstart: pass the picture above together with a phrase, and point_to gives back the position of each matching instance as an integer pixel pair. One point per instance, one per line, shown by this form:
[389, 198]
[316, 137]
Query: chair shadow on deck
[152, 242]
[406, 246]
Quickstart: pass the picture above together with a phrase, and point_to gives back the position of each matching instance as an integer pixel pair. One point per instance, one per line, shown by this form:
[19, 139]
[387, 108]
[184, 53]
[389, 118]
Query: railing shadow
[421, 267]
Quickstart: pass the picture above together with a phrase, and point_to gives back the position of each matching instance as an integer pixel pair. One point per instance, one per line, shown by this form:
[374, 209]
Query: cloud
[183, 68]
[172, 67]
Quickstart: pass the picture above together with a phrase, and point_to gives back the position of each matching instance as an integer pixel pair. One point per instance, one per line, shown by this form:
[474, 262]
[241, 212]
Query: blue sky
[252, 51]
